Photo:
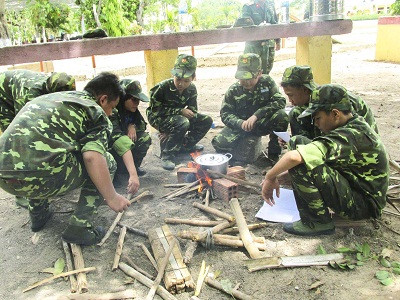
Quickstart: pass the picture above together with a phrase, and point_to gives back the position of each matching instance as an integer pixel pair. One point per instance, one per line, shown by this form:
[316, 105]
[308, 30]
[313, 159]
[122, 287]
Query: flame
[201, 175]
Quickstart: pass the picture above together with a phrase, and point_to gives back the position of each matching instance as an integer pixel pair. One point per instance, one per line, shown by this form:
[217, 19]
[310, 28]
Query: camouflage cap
[185, 66]
[58, 82]
[249, 65]
[133, 88]
[299, 75]
[95, 33]
[328, 97]
[243, 22]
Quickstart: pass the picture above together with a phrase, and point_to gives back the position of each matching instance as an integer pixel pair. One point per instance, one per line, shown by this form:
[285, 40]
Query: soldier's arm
[96, 166]
[276, 101]
[246, 11]
[227, 112]
[157, 102]
[133, 183]
[192, 101]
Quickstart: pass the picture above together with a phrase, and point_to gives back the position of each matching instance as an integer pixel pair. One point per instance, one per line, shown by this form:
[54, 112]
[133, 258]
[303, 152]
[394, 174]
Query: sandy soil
[22, 258]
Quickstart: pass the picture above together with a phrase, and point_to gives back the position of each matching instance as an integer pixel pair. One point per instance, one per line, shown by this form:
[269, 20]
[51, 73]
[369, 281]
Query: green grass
[359, 17]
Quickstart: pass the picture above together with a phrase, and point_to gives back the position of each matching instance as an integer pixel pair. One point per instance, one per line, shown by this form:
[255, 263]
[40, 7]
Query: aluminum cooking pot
[215, 162]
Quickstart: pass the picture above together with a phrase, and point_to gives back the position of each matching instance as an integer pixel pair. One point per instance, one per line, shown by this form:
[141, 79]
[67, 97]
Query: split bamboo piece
[235, 179]
[162, 292]
[243, 229]
[148, 254]
[249, 226]
[135, 266]
[395, 165]
[127, 294]
[207, 198]
[79, 263]
[181, 191]
[214, 211]
[191, 247]
[119, 216]
[176, 185]
[236, 294]
[188, 190]
[65, 274]
[70, 267]
[118, 251]
[194, 222]
[202, 275]
[161, 270]
[216, 229]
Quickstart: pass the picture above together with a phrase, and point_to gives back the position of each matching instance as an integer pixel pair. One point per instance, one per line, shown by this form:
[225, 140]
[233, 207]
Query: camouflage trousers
[7, 114]
[73, 175]
[266, 52]
[139, 151]
[324, 187]
[277, 120]
[181, 132]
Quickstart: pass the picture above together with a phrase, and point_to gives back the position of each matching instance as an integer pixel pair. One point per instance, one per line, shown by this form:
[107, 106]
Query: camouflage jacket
[239, 104]
[363, 110]
[357, 153]
[166, 101]
[47, 129]
[16, 89]
[121, 119]
[261, 13]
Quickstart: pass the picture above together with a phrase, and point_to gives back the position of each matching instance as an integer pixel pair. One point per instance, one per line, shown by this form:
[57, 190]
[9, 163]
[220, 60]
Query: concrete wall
[388, 41]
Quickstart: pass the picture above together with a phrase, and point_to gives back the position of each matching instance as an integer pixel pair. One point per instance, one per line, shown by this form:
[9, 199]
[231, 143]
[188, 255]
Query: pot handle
[228, 155]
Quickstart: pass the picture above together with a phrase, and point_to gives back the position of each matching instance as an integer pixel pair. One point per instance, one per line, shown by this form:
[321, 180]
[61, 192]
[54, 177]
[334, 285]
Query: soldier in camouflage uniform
[298, 84]
[129, 127]
[173, 112]
[19, 87]
[346, 169]
[262, 12]
[58, 142]
[252, 106]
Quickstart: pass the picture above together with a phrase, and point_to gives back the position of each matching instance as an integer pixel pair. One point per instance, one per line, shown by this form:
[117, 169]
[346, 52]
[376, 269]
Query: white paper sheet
[284, 135]
[284, 211]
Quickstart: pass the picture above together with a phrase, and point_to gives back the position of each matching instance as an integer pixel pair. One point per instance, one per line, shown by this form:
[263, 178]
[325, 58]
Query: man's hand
[268, 187]
[133, 184]
[118, 203]
[186, 112]
[282, 143]
[132, 132]
[249, 124]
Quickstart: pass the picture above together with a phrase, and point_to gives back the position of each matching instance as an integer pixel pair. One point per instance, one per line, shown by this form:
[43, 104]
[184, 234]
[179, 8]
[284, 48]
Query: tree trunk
[4, 35]
[139, 13]
[96, 15]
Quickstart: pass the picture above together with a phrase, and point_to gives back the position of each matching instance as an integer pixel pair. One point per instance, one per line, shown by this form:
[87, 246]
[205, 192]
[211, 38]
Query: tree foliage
[395, 8]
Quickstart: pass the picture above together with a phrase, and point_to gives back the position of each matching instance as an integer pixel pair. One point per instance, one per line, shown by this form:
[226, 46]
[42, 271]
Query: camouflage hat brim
[182, 73]
[313, 108]
[143, 97]
[311, 85]
[243, 75]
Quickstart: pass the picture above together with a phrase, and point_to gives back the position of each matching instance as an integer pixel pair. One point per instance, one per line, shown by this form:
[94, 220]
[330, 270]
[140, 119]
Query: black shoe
[140, 171]
[83, 235]
[309, 229]
[190, 149]
[39, 218]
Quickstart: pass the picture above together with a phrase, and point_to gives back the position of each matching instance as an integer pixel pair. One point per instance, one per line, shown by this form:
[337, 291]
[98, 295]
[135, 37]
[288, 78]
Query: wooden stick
[395, 165]
[118, 251]
[191, 247]
[238, 295]
[135, 266]
[214, 211]
[193, 222]
[202, 275]
[187, 187]
[162, 292]
[249, 226]
[174, 185]
[134, 230]
[161, 269]
[127, 294]
[216, 229]
[235, 179]
[148, 254]
[65, 274]
[188, 190]
[243, 229]
[68, 260]
[119, 216]
[79, 264]
[207, 198]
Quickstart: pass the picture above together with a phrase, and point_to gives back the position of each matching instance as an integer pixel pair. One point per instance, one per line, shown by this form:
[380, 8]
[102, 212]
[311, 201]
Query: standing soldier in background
[262, 12]
[19, 87]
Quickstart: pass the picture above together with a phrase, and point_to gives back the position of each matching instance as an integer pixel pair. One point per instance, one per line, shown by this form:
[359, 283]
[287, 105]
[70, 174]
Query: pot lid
[212, 159]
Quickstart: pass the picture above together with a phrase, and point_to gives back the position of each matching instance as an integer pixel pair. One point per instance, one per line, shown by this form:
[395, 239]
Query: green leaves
[227, 285]
[384, 277]
[57, 269]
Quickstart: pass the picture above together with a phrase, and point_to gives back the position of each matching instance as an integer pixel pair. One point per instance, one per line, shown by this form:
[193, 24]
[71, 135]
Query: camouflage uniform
[302, 76]
[239, 104]
[41, 151]
[165, 110]
[20, 86]
[260, 13]
[121, 119]
[346, 169]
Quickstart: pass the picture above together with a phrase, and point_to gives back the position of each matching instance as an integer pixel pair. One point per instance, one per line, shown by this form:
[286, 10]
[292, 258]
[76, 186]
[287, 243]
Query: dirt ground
[22, 258]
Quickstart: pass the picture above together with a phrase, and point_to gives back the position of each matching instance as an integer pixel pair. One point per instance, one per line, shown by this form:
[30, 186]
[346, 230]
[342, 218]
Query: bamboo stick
[148, 254]
[175, 185]
[127, 294]
[185, 188]
[395, 165]
[139, 269]
[79, 263]
[118, 251]
[191, 247]
[214, 211]
[194, 222]
[119, 216]
[162, 292]
[202, 275]
[243, 229]
[236, 294]
[235, 179]
[134, 230]
[207, 198]
[249, 226]
[188, 190]
[68, 260]
[65, 274]
[216, 229]
[161, 270]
